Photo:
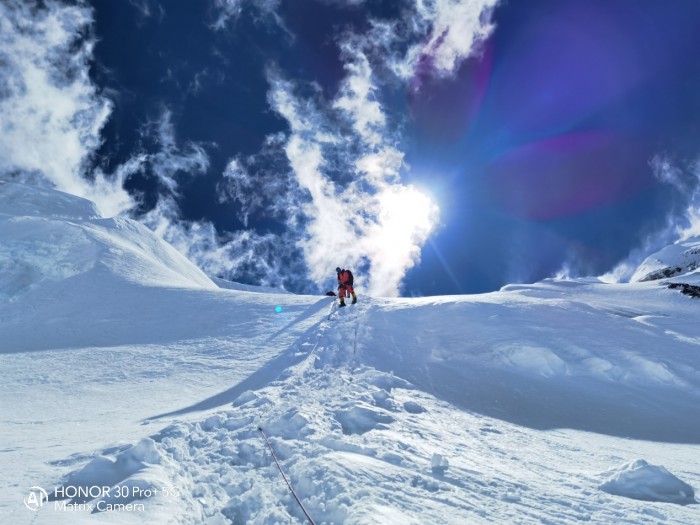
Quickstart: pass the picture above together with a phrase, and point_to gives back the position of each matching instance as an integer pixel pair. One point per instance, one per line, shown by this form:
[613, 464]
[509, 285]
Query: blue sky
[436, 147]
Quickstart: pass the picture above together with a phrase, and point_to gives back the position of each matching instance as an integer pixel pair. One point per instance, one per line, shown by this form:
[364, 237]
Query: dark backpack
[350, 276]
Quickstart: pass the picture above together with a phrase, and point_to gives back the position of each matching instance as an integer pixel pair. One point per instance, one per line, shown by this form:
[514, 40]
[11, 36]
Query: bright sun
[399, 224]
[407, 216]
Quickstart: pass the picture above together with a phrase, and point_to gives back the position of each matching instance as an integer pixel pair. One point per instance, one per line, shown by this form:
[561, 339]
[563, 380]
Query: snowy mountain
[677, 259]
[136, 390]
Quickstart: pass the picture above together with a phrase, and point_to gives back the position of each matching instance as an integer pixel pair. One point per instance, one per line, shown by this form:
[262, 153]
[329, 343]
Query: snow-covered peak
[676, 259]
[50, 238]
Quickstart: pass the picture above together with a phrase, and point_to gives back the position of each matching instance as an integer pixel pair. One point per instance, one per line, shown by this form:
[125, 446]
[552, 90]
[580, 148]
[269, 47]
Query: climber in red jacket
[345, 281]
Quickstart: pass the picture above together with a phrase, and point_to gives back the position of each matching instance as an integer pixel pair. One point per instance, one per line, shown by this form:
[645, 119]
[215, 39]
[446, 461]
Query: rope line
[267, 441]
[291, 489]
[354, 343]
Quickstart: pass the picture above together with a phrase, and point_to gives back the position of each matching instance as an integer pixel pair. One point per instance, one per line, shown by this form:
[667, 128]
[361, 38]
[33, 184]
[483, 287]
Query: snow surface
[124, 367]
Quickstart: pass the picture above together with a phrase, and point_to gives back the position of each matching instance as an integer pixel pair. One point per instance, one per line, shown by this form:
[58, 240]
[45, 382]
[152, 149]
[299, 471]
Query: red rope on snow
[291, 489]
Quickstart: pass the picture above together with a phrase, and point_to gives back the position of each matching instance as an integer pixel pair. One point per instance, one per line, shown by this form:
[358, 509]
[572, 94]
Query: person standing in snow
[345, 281]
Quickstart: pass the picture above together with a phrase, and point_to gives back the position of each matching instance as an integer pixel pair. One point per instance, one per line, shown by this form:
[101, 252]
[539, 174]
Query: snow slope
[674, 260]
[557, 402]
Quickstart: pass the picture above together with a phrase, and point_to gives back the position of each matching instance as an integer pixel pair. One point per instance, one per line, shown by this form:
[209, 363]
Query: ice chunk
[640, 480]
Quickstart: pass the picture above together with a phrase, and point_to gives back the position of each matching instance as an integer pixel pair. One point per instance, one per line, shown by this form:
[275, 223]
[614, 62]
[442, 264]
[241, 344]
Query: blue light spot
[278, 309]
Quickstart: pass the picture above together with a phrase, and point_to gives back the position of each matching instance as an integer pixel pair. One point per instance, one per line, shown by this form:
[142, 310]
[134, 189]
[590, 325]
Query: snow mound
[360, 419]
[105, 472]
[676, 259]
[50, 237]
[640, 480]
[136, 471]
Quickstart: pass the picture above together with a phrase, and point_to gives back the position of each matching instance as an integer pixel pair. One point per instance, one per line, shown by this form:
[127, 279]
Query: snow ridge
[51, 237]
[675, 260]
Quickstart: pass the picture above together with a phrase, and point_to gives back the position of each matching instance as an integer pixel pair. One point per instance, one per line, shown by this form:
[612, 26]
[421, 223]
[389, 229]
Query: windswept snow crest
[49, 236]
[674, 260]
[63, 264]
[231, 285]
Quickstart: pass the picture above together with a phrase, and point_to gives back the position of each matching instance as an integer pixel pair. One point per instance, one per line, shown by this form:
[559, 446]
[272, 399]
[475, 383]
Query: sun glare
[407, 215]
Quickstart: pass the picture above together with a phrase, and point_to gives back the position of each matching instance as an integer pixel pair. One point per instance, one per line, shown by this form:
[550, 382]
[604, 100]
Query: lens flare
[406, 218]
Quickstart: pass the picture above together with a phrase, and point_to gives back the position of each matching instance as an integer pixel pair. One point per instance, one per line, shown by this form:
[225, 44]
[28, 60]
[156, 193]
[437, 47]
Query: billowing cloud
[357, 212]
[171, 160]
[689, 226]
[358, 98]
[51, 114]
[681, 223]
[260, 184]
[433, 38]
[455, 29]
[262, 258]
[667, 172]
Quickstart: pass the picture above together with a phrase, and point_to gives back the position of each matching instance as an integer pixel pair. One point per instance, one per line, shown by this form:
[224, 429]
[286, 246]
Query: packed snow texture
[126, 368]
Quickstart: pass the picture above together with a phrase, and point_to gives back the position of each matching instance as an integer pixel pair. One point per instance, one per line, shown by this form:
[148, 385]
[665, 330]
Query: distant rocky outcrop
[686, 289]
[664, 273]
[677, 259]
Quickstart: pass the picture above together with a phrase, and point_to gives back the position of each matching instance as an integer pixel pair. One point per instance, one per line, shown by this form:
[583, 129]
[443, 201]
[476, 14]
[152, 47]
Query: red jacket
[344, 277]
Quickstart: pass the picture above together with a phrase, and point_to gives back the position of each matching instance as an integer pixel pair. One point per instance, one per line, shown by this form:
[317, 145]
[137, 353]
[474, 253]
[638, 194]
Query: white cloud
[50, 113]
[392, 242]
[667, 172]
[51, 116]
[686, 181]
[260, 185]
[143, 8]
[357, 98]
[238, 185]
[691, 226]
[370, 221]
[263, 258]
[434, 38]
[227, 10]
[624, 270]
[681, 223]
[456, 29]
[172, 161]
[230, 10]
[258, 257]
